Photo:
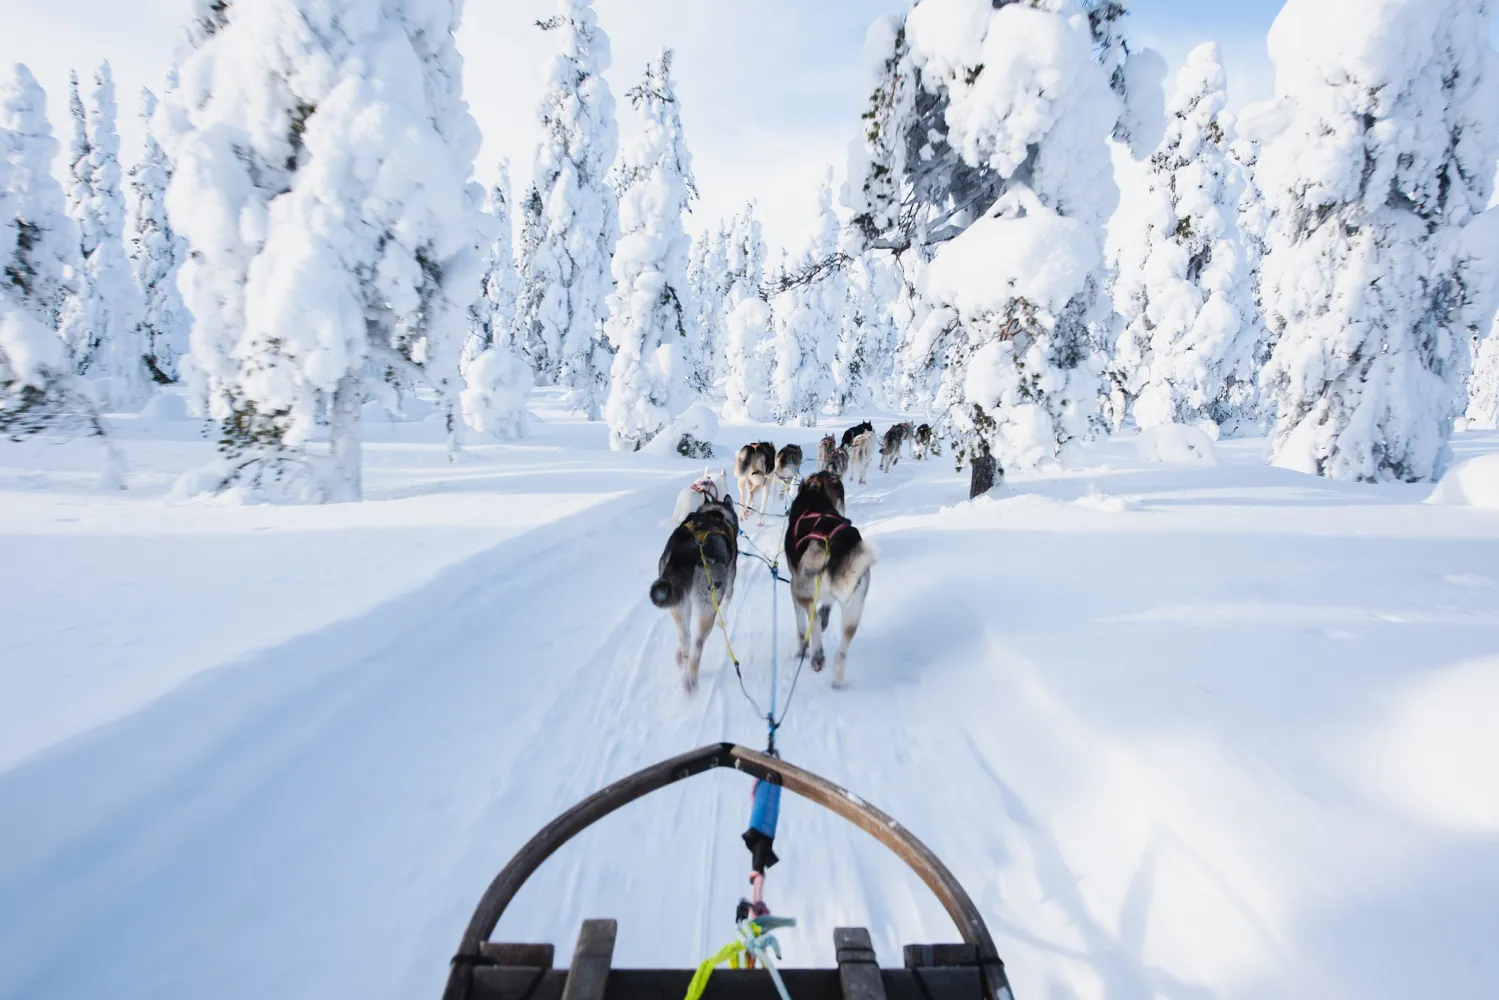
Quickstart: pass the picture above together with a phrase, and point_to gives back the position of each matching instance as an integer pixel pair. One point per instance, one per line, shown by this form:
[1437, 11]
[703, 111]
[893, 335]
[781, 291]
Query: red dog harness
[707, 487]
[823, 527]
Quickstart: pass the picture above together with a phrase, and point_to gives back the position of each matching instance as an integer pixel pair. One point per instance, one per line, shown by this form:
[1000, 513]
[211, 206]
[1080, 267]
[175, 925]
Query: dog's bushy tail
[664, 593]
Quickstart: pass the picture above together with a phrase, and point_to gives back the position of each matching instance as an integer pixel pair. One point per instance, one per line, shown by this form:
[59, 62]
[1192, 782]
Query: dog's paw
[819, 660]
[689, 684]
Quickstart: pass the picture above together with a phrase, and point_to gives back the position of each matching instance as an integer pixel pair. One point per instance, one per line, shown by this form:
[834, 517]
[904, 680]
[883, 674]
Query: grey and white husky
[698, 565]
[821, 542]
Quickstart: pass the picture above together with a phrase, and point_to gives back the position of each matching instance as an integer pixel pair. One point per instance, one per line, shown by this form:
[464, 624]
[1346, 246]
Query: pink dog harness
[707, 487]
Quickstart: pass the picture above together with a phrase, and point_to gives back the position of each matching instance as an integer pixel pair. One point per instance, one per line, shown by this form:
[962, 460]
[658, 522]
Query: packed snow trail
[1166, 735]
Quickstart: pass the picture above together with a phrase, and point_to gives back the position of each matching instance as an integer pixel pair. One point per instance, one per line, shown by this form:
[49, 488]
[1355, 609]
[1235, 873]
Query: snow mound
[1096, 500]
[1474, 483]
[412, 410]
[697, 422]
[1177, 444]
[167, 406]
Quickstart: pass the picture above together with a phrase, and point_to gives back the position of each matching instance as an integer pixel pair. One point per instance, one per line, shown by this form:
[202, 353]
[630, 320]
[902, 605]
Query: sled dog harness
[824, 527]
[707, 487]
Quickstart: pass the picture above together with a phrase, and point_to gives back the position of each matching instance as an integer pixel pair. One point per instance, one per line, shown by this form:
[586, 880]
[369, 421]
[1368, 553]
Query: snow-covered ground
[1185, 732]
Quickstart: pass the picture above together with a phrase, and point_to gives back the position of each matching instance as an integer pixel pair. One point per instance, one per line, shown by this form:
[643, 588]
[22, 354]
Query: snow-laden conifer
[651, 327]
[323, 158]
[569, 269]
[1377, 274]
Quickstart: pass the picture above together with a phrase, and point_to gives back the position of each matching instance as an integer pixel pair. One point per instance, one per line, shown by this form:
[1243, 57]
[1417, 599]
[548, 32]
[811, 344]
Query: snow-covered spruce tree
[497, 380]
[1254, 227]
[1377, 274]
[1188, 350]
[532, 292]
[808, 311]
[986, 134]
[868, 337]
[708, 277]
[78, 186]
[323, 158]
[156, 255]
[38, 390]
[747, 323]
[569, 268]
[1483, 383]
[496, 313]
[45, 246]
[985, 159]
[101, 320]
[651, 324]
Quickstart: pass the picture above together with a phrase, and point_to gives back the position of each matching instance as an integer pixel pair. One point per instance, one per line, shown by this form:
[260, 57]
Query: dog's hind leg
[853, 610]
[679, 615]
[811, 637]
[695, 659]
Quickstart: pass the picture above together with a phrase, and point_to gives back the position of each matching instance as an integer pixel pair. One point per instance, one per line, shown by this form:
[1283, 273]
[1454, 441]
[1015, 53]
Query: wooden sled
[485, 970]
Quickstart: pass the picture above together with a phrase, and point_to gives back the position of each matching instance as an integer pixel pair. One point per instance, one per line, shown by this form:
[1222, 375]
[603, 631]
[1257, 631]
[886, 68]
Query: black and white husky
[754, 467]
[922, 442]
[822, 544]
[698, 565]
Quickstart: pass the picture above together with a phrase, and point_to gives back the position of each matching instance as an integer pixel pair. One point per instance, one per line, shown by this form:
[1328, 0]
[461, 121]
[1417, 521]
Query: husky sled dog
[789, 467]
[859, 454]
[825, 450]
[699, 563]
[713, 486]
[828, 484]
[855, 431]
[922, 442]
[837, 462]
[890, 449]
[822, 543]
[753, 467]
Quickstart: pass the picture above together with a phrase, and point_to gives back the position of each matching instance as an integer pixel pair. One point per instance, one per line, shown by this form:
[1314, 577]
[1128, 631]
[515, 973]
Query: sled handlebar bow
[927, 866]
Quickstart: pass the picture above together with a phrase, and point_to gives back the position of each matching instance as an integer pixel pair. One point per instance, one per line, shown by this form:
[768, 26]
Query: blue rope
[772, 721]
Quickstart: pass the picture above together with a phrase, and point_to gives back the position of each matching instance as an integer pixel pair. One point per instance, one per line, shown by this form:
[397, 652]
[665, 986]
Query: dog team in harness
[827, 560]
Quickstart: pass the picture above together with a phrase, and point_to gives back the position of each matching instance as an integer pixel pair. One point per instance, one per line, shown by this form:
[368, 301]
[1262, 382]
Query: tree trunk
[453, 417]
[347, 466]
[984, 474]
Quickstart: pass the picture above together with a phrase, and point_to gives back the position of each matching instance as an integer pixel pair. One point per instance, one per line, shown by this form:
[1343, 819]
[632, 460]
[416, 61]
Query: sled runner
[485, 970]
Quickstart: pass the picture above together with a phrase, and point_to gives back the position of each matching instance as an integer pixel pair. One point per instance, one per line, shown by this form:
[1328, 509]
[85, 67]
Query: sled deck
[486, 970]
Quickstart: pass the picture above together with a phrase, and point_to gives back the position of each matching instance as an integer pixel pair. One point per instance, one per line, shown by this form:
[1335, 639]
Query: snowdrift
[1176, 444]
[1474, 483]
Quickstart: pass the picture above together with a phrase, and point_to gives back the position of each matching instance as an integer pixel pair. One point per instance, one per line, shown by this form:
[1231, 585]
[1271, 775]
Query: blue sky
[771, 89]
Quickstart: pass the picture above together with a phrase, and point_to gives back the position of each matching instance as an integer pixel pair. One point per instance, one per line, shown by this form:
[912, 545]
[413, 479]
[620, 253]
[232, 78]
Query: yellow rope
[713, 594]
[728, 953]
[816, 591]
